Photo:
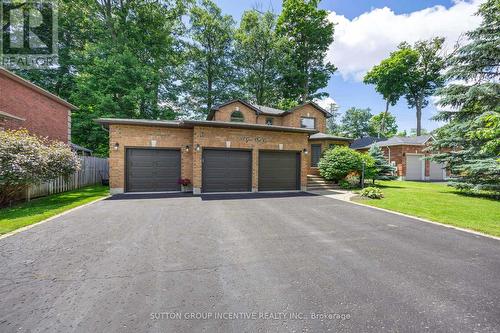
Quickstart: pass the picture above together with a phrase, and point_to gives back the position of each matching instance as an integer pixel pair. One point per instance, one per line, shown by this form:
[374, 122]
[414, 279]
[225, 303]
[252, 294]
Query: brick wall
[224, 113]
[277, 121]
[247, 139]
[141, 136]
[43, 116]
[293, 119]
[214, 137]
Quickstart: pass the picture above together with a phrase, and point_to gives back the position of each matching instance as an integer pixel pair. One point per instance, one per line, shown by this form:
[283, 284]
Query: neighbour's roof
[403, 140]
[6, 115]
[365, 141]
[207, 123]
[323, 136]
[267, 110]
[79, 148]
[36, 88]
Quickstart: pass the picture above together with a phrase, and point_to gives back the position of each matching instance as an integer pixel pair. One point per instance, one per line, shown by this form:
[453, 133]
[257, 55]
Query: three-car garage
[223, 170]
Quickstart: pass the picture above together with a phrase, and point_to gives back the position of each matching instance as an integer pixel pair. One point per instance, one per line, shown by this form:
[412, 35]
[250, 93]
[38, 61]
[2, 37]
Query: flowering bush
[184, 181]
[27, 159]
[372, 193]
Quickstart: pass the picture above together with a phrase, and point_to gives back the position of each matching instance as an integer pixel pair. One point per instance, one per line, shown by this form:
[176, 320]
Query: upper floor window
[269, 121]
[237, 117]
[308, 122]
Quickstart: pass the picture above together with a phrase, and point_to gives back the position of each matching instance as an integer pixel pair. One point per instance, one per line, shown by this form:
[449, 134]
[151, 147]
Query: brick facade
[213, 137]
[128, 136]
[293, 119]
[397, 154]
[43, 115]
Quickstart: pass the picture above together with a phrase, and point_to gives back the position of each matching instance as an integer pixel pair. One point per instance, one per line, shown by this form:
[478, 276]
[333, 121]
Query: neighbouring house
[26, 105]
[365, 141]
[407, 155]
[241, 147]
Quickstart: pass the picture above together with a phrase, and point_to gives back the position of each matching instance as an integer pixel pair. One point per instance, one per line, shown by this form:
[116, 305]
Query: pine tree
[471, 138]
[382, 169]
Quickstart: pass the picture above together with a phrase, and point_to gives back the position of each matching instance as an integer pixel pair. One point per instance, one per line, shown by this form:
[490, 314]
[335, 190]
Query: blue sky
[367, 31]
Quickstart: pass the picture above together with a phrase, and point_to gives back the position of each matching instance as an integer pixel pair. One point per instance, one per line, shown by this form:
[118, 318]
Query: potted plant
[185, 184]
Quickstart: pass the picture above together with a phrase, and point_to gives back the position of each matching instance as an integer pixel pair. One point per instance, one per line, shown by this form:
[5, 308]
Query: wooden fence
[92, 169]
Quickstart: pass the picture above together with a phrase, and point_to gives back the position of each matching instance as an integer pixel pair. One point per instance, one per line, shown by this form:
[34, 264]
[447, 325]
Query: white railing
[92, 169]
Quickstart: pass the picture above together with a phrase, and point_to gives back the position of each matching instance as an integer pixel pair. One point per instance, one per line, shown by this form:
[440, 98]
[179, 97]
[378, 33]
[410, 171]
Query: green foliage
[26, 159]
[372, 193]
[332, 127]
[209, 77]
[469, 143]
[367, 167]
[338, 162]
[356, 122]
[308, 34]
[382, 168]
[411, 71]
[383, 125]
[258, 53]
[36, 210]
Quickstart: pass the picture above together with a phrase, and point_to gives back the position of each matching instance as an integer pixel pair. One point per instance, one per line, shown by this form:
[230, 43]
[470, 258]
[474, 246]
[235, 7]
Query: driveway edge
[415, 217]
[12, 233]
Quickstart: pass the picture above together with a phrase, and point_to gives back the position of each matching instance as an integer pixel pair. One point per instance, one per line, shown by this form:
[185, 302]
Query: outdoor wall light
[116, 146]
[186, 148]
[198, 147]
[305, 151]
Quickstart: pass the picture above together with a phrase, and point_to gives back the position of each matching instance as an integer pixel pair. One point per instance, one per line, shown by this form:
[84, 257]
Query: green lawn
[36, 210]
[440, 203]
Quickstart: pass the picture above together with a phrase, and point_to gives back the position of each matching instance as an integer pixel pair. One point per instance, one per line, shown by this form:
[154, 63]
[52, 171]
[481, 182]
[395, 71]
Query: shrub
[372, 193]
[338, 162]
[27, 159]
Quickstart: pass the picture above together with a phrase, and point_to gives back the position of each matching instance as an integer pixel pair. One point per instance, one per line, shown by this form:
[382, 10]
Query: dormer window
[308, 122]
[237, 117]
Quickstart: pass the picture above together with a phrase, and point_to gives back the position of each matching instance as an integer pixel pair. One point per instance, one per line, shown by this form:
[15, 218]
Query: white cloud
[325, 103]
[364, 41]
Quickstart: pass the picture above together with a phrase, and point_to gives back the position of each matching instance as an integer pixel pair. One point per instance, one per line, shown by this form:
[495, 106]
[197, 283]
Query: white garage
[415, 167]
[436, 171]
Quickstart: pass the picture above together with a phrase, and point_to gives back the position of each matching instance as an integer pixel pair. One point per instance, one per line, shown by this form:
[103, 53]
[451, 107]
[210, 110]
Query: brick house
[407, 155]
[25, 105]
[240, 147]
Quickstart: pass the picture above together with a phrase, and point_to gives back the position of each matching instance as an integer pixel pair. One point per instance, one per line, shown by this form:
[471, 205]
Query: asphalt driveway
[296, 263]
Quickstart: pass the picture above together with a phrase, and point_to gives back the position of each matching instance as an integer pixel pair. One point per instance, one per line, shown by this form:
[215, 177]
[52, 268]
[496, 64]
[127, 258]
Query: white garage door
[436, 171]
[414, 167]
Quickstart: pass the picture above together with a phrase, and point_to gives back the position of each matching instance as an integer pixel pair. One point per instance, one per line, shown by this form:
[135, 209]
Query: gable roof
[365, 141]
[314, 105]
[32, 86]
[403, 140]
[267, 110]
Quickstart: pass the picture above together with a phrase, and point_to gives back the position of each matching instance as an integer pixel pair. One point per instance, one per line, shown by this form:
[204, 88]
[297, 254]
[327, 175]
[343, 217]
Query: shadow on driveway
[140, 196]
[260, 195]
[212, 196]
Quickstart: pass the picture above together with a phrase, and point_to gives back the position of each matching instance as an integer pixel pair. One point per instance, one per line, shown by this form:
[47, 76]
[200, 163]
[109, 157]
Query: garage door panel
[279, 171]
[153, 170]
[414, 167]
[436, 171]
[227, 171]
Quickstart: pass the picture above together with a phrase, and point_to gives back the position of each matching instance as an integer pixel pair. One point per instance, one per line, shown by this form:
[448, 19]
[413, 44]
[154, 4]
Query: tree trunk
[382, 122]
[419, 119]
